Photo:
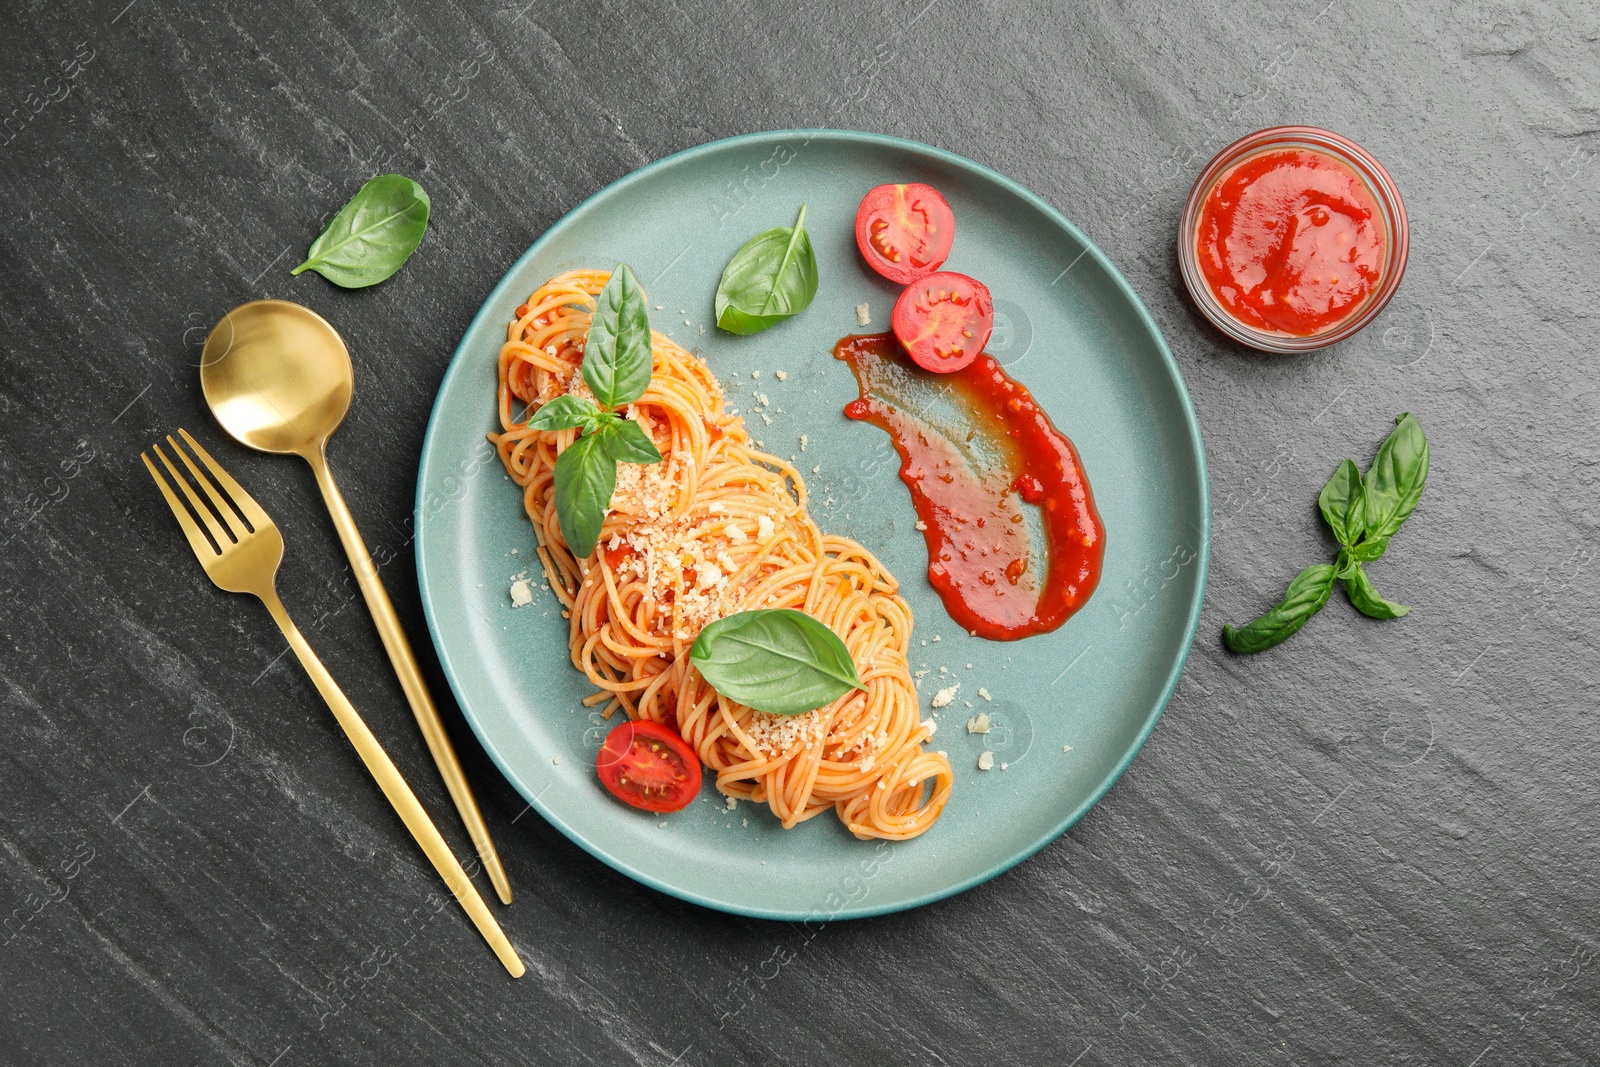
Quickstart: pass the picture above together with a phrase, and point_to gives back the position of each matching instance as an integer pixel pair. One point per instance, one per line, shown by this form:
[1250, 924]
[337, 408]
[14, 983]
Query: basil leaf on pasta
[372, 235]
[626, 442]
[616, 355]
[780, 661]
[772, 278]
[585, 477]
[565, 412]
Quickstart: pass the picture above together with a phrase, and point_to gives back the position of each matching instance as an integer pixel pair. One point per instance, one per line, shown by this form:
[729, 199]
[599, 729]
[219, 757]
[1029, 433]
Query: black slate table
[1374, 845]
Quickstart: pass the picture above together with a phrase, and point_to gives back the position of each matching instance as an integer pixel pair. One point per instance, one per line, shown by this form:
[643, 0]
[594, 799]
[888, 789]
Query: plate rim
[458, 363]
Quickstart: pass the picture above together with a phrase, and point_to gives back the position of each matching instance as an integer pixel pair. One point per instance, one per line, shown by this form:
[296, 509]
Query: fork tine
[204, 513]
[204, 550]
[230, 517]
[254, 513]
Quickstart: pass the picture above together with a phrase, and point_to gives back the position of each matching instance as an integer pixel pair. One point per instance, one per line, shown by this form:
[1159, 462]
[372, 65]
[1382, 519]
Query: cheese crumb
[817, 469]
[755, 374]
[985, 761]
[936, 637]
[1003, 766]
[764, 527]
[984, 693]
[1066, 748]
[781, 375]
[729, 803]
[863, 315]
[943, 697]
[761, 398]
[978, 724]
[931, 725]
[969, 666]
[804, 440]
[555, 760]
[921, 525]
[521, 593]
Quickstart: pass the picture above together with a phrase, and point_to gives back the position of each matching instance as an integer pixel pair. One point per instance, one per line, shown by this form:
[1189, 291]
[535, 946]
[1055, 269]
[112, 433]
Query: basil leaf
[626, 442]
[616, 356]
[585, 478]
[372, 235]
[1345, 564]
[1365, 596]
[1371, 549]
[772, 278]
[565, 412]
[1342, 503]
[1394, 482]
[779, 661]
[1305, 597]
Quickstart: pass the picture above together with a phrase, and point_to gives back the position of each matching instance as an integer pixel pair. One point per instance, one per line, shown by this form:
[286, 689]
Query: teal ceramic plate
[1068, 326]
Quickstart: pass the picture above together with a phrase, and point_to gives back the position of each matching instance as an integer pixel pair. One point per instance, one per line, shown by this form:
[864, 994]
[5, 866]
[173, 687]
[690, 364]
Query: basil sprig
[372, 235]
[772, 278]
[616, 367]
[1364, 513]
[776, 660]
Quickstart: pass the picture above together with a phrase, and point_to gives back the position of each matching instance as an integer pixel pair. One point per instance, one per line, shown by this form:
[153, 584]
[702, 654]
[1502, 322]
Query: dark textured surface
[1376, 844]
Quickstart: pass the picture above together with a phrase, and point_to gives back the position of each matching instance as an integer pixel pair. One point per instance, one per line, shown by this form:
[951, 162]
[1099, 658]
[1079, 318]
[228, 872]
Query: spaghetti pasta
[715, 528]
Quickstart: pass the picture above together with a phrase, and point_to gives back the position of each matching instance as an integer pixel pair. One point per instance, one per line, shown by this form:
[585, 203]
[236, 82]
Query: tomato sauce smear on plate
[1014, 541]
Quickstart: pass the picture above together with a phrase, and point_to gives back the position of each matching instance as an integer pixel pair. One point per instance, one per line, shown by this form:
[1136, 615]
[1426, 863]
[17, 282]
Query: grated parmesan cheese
[985, 761]
[943, 697]
[774, 735]
[978, 724]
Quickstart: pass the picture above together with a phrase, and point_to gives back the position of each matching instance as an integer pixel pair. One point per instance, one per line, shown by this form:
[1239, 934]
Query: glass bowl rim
[1346, 151]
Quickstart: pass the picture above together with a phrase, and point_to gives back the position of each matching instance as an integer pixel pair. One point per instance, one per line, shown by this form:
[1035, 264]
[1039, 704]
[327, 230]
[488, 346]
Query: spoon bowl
[277, 376]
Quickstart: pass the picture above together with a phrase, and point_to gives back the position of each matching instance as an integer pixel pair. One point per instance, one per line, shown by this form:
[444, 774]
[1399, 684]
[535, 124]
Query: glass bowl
[1371, 173]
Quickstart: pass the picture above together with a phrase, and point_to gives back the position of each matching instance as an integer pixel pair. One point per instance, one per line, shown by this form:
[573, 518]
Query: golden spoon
[278, 378]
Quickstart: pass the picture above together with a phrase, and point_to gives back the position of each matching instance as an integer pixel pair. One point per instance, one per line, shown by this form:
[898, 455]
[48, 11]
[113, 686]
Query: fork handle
[404, 661]
[394, 787]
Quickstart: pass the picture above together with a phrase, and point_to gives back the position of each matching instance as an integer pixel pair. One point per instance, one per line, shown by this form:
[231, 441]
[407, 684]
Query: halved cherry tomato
[648, 766]
[904, 231]
[944, 320]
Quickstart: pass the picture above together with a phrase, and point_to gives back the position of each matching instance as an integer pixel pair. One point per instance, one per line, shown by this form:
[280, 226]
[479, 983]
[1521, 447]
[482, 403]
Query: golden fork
[240, 549]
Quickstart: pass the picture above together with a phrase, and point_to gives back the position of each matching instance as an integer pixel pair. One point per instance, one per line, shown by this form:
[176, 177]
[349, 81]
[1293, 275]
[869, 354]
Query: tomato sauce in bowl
[1293, 238]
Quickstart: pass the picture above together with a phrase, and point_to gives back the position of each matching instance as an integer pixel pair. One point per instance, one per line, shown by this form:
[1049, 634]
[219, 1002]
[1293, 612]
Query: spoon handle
[404, 661]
